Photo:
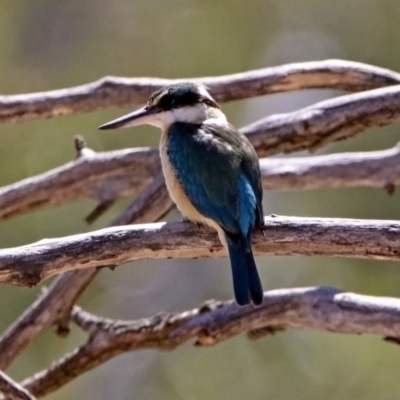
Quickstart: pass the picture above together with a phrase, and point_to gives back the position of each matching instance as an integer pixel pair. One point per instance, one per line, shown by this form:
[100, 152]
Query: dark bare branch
[325, 309]
[31, 264]
[100, 209]
[154, 199]
[13, 390]
[112, 92]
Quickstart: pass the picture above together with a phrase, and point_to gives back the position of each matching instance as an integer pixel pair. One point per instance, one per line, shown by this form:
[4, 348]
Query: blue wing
[211, 168]
[219, 172]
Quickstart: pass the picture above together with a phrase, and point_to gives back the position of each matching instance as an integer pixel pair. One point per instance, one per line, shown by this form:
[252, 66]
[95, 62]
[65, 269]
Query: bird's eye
[150, 103]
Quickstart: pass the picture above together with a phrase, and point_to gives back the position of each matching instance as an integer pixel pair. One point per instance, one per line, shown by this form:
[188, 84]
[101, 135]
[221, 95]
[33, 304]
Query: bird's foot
[186, 219]
[263, 226]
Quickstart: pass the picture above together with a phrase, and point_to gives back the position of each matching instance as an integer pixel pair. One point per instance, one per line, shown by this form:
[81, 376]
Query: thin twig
[31, 264]
[142, 209]
[100, 209]
[325, 309]
[110, 92]
[13, 390]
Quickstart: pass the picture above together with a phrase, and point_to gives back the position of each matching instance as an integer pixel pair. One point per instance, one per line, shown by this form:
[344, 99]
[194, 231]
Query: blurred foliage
[49, 44]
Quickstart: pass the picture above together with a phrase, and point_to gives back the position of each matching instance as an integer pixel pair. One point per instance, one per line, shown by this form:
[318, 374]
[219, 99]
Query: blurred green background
[53, 44]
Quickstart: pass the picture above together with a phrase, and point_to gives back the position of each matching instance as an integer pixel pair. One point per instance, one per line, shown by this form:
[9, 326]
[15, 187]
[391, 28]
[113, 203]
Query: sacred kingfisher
[211, 171]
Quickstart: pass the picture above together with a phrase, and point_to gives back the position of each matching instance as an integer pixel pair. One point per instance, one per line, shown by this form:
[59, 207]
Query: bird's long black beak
[139, 117]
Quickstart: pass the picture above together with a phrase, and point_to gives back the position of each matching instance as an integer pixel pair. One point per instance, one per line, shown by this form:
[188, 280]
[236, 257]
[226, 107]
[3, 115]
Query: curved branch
[117, 92]
[325, 309]
[29, 265]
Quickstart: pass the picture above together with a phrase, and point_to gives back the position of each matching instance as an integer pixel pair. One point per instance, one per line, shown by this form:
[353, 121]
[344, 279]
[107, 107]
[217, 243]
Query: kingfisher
[211, 171]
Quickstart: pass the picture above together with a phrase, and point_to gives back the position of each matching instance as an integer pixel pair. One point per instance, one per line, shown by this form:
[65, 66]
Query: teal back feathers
[219, 173]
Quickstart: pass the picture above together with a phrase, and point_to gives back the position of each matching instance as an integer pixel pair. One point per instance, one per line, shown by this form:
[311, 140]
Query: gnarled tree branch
[108, 176]
[321, 308]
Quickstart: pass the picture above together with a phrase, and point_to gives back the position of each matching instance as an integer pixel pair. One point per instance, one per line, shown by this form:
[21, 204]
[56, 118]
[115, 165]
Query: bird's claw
[186, 219]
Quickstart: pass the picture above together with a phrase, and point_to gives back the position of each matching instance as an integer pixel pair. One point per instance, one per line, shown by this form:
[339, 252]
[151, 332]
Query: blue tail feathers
[246, 282]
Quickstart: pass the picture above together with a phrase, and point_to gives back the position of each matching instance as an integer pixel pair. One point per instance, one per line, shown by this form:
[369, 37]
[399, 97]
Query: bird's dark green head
[183, 101]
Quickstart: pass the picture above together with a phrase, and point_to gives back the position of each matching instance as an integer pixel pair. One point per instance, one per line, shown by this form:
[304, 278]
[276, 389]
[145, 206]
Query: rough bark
[323, 308]
[31, 264]
[110, 92]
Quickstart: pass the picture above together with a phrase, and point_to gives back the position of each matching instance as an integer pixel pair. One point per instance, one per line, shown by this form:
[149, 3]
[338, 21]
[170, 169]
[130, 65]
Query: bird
[211, 171]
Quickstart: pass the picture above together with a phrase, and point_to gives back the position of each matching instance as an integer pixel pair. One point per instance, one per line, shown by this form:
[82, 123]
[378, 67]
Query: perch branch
[55, 304]
[12, 390]
[323, 308]
[112, 92]
[31, 264]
